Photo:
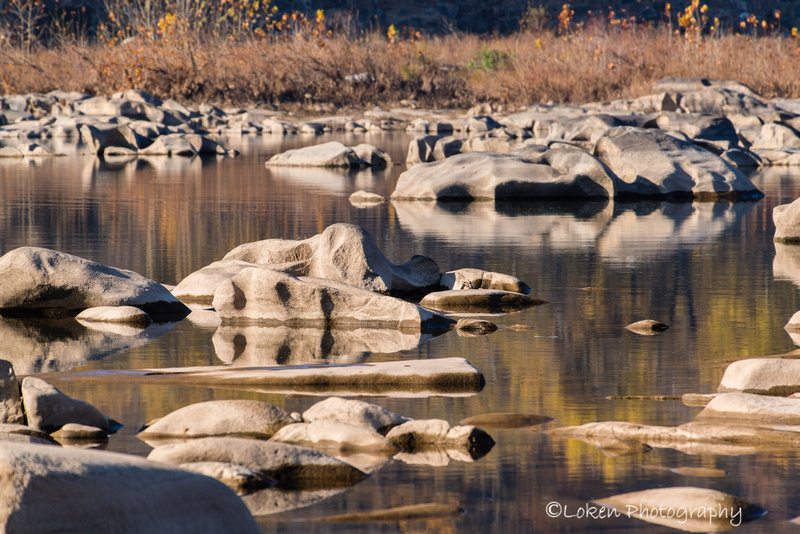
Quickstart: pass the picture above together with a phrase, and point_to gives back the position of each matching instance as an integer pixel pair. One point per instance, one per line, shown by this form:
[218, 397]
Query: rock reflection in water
[46, 346]
[283, 345]
[615, 230]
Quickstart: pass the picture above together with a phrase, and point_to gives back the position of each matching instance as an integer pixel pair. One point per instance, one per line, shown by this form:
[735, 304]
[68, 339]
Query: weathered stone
[112, 136]
[479, 279]
[219, 418]
[345, 253]
[329, 435]
[505, 420]
[481, 124]
[201, 285]
[787, 222]
[354, 412]
[48, 409]
[372, 156]
[685, 508]
[130, 315]
[752, 407]
[647, 327]
[38, 281]
[558, 173]
[78, 432]
[332, 154]
[8, 431]
[418, 434]
[11, 410]
[653, 163]
[45, 485]
[236, 477]
[363, 199]
[264, 296]
[421, 149]
[775, 135]
[173, 145]
[583, 131]
[478, 301]
[772, 376]
[292, 466]
[446, 147]
[468, 327]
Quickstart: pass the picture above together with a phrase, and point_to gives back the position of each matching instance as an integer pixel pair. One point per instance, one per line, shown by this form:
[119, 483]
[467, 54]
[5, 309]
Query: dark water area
[709, 270]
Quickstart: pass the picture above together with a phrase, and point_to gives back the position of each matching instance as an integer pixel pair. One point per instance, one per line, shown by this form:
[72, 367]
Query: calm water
[711, 271]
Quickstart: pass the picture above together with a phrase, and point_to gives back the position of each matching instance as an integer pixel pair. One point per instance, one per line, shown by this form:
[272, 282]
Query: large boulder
[555, 173]
[773, 376]
[328, 435]
[332, 154]
[787, 222]
[354, 412]
[776, 135]
[245, 418]
[292, 466]
[54, 489]
[479, 279]
[748, 406]
[718, 131]
[264, 296]
[48, 409]
[419, 433]
[654, 163]
[38, 281]
[343, 252]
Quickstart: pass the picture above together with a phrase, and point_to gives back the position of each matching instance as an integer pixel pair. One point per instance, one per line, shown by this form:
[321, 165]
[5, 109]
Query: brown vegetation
[254, 54]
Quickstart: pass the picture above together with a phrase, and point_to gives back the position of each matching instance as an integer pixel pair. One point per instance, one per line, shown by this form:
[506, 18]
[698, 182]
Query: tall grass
[244, 51]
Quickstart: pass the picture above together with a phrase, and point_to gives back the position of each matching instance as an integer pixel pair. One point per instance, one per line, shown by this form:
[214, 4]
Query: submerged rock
[38, 281]
[474, 327]
[129, 315]
[479, 301]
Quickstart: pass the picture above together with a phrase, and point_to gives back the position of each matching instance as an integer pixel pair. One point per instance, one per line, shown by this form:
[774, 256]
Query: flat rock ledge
[441, 376]
[747, 406]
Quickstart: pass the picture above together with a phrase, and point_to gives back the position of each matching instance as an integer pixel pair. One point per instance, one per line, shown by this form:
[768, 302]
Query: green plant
[489, 60]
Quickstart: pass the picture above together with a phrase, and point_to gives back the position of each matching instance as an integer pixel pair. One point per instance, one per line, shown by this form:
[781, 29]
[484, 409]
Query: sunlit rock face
[773, 376]
[332, 154]
[787, 223]
[40, 282]
[45, 485]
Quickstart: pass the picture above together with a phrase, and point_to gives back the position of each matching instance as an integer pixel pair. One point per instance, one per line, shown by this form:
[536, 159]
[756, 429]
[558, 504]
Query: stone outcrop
[238, 417]
[751, 407]
[44, 485]
[41, 282]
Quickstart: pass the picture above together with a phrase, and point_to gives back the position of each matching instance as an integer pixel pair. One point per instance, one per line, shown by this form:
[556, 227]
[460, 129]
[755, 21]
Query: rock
[685, 508]
[48, 409]
[11, 410]
[421, 148]
[354, 412]
[647, 327]
[794, 322]
[713, 129]
[419, 433]
[372, 156]
[170, 145]
[752, 407]
[78, 432]
[38, 281]
[766, 376]
[292, 466]
[345, 253]
[329, 435]
[237, 477]
[244, 418]
[713, 101]
[332, 154]
[583, 131]
[505, 420]
[467, 327]
[653, 163]
[9, 431]
[201, 285]
[362, 199]
[99, 140]
[478, 279]
[556, 173]
[787, 222]
[673, 84]
[740, 157]
[481, 124]
[478, 301]
[446, 147]
[130, 315]
[775, 135]
[44, 486]
[263, 296]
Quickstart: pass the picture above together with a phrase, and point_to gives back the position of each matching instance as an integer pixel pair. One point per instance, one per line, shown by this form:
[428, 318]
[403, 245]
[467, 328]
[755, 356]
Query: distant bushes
[246, 51]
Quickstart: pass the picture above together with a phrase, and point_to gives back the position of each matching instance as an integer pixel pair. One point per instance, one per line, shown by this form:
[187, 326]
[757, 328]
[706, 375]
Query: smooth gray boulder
[776, 135]
[237, 477]
[76, 432]
[421, 149]
[101, 139]
[787, 222]
[55, 489]
[11, 409]
[555, 173]
[354, 412]
[583, 131]
[41, 282]
[766, 376]
[331, 154]
[747, 406]
[335, 436]
[372, 156]
[345, 253]
[201, 285]
[129, 315]
[478, 301]
[419, 433]
[259, 295]
[713, 129]
[48, 409]
[365, 199]
[292, 466]
[479, 279]
[685, 508]
[246, 418]
[654, 163]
